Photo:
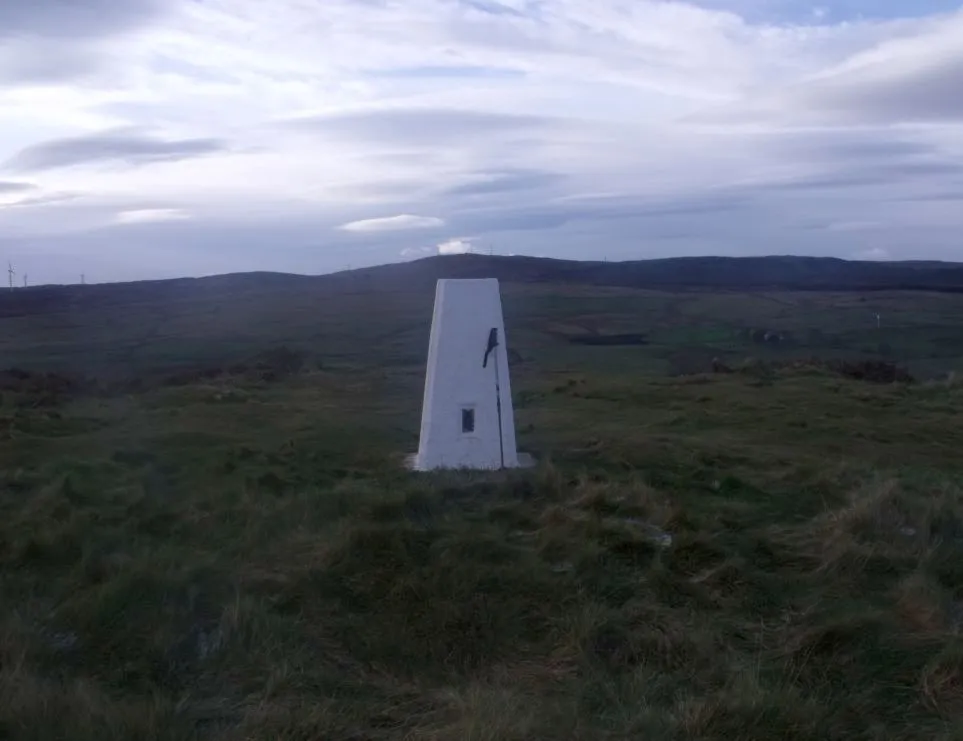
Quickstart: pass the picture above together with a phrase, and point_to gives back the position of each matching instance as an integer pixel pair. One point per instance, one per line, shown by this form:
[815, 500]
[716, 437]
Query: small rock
[209, 644]
[63, 641]
[661, 539]
[656, 535]
[523, 535]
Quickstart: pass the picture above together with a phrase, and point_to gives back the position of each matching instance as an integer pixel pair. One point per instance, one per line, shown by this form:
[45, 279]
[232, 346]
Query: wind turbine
[11, 273]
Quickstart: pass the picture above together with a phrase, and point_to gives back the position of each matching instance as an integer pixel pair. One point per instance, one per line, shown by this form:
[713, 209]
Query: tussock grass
[686, 562]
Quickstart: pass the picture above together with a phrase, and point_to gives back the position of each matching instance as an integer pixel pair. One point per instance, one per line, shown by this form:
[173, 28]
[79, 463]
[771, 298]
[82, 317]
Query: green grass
[360, 328]
[745, 556]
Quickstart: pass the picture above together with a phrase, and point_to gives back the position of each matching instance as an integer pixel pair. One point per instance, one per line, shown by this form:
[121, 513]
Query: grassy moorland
[773, 553]
[111, 334]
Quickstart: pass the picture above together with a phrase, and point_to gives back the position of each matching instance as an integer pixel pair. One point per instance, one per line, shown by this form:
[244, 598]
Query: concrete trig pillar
[467, 420]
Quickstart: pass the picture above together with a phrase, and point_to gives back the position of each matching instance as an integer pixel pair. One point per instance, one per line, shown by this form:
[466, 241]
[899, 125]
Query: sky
[163, 138]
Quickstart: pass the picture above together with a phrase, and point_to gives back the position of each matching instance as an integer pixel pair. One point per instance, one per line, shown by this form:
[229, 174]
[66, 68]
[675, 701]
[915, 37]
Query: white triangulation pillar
[467, 420]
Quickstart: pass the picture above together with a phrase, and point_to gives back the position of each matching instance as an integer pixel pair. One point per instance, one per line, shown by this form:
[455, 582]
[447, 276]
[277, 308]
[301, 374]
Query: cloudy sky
[155, 138]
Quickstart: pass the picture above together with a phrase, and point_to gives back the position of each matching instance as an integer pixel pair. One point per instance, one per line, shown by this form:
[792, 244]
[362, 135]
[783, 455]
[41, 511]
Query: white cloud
[393, 223]
[146, 215]
[455, 247]
[717, 125]
[873, 253]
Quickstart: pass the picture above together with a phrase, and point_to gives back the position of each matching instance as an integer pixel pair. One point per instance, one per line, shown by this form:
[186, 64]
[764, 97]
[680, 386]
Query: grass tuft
[686, 561]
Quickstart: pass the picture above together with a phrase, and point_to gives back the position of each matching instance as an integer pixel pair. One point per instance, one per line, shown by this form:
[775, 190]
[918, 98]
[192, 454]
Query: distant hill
[736, 273]
[699, 273]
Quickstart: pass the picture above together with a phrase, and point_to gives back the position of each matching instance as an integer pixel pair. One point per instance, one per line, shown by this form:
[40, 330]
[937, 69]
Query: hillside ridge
[775, 272]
